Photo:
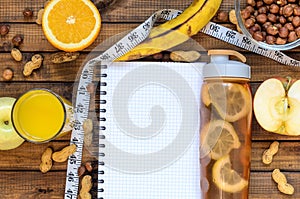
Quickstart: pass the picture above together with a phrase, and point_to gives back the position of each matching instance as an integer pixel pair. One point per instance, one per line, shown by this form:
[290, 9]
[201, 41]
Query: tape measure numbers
[132, 39]
[242, 41]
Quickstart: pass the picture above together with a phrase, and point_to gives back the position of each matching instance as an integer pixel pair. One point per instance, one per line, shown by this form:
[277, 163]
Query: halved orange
[71, 25]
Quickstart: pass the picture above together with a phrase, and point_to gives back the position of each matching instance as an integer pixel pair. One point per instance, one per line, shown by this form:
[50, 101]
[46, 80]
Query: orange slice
[71, 25]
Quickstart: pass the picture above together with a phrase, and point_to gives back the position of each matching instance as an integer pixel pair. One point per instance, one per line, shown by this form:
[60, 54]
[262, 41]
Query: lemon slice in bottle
[231, 100]
[218, 138]
[226, 178]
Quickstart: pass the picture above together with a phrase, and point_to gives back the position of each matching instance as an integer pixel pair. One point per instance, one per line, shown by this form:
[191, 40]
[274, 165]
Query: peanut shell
[16, 54]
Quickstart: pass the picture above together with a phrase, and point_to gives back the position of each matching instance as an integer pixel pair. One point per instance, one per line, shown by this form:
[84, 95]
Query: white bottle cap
[221, 66]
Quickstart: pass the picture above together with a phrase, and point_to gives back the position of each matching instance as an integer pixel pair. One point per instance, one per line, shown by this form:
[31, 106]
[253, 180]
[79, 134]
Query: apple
[9, 139]
[276, 105]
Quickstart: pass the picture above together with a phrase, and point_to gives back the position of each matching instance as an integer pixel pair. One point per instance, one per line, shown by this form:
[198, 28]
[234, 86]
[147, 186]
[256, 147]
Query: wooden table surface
[19, 168]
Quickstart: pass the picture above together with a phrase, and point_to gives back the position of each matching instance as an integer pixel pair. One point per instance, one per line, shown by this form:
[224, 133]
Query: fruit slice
[231, 100]
[218, 138]
[277, 106]
[9, 139]
[226, 178]
[71, 25]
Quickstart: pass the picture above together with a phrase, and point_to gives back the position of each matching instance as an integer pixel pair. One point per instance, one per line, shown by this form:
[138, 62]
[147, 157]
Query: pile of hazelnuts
[273, 21]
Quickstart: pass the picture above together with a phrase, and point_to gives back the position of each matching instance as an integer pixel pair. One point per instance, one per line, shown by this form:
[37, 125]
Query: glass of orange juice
[40, 115]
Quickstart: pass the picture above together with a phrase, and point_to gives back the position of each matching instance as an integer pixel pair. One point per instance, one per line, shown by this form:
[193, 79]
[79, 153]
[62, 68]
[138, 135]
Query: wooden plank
[263, 187]
[15, 89]
[51, 185]
[27, 156]
[125, 11]
[262, 68]
[35, 41]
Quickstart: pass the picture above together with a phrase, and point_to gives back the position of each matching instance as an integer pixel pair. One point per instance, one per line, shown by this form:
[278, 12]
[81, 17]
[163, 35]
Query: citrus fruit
[226, 178]
[71, 25]
[9, 139]
[218, 138]
[231, 100]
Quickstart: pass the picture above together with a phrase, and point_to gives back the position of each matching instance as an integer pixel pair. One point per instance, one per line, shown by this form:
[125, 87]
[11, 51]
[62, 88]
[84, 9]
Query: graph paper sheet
[151, 113]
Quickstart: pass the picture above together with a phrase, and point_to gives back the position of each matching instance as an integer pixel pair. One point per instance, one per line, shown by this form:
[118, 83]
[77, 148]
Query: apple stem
[288, 84]
[6, 122]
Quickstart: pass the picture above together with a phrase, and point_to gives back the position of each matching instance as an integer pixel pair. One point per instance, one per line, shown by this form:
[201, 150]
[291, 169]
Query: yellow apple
[276, 105]
[9, 139]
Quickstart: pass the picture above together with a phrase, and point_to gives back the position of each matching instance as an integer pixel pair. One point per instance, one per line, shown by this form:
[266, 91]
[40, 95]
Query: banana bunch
[175, 31]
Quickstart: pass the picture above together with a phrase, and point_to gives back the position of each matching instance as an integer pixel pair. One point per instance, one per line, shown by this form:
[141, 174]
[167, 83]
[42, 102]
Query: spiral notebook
[150, 129]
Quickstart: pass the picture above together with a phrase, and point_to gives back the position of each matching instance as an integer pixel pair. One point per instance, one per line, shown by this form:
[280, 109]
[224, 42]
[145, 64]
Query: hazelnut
[272, 30]
[254, 28]
[297, 11]
[157, 56]
[283, 32]
[261, 18]
[278, 25]
[222, 16]
[270, 39]
[250, 9]
[272, 18]
[282, 20]
[292, 36]
[27, 12]
[251, 2]
[81, 170]
[274, 8]
[258, 36]
[291, 1]
[88, 166]
[281, 11]
[6, 45]
[4, 29]
[245, 14]
[249, 22]
[289, 26]
[288, 10]
[296, 21]
[265, 25]
[290, 18]
[8, 74]
[268, 1]
[260, 3]
[263, 10]
[281, 2]
[280, 41]
[297, 30]
[17, 40]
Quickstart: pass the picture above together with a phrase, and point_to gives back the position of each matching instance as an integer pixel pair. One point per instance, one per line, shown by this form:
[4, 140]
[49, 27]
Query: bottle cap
[221, 66]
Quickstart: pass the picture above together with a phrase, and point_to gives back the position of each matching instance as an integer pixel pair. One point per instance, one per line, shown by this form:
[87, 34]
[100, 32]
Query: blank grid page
[152, 131]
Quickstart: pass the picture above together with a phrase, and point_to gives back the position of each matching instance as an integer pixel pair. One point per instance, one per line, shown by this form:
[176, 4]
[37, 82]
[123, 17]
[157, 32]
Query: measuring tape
[242, 41]
[132, 39]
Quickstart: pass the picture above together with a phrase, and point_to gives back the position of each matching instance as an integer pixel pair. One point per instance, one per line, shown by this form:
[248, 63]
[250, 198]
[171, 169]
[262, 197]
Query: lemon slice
[231, 100]
[218, 138]
[226, 178]
[71, 25]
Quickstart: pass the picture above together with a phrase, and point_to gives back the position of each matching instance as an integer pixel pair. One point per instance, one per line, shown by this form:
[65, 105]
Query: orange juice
[39, 115]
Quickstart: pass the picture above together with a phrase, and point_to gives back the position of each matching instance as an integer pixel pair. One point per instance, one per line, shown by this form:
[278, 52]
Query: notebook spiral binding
[102, 128]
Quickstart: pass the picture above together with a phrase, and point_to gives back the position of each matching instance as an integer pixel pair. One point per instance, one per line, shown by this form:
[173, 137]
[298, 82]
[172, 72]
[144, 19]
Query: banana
[182, 18]
[176, 36]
